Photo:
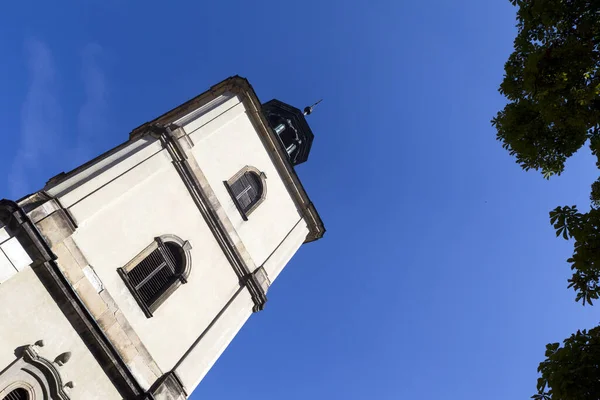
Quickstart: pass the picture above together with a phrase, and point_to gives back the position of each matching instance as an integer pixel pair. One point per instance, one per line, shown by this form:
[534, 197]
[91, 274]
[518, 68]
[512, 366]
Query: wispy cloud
[92, 118]
[41, 135]
[40, 119]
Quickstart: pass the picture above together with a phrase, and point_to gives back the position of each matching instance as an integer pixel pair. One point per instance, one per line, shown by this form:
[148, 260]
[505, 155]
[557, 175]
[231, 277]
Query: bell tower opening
[290, 126]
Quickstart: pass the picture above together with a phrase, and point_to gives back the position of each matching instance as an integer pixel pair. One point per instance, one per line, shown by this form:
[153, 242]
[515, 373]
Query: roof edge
[242, 88]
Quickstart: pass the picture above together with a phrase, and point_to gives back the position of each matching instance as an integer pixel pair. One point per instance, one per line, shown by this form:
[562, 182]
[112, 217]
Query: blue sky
[439, 274]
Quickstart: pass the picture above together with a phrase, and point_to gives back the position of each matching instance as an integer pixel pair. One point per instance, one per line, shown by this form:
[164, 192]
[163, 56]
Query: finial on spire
[309, 110]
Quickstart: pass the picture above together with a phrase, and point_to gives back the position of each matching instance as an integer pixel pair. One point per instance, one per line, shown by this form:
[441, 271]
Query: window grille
[247, 190]
[153, 275]
[17, 394]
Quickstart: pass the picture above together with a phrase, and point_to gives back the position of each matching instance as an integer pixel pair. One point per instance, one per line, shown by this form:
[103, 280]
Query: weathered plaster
[38, 317]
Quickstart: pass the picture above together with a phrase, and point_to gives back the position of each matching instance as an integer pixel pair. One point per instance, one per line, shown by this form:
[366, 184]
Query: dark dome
[294, 134]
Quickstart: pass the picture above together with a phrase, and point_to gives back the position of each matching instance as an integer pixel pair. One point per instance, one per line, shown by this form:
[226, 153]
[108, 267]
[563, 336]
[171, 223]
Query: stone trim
[36, 375]
[213, 221]
[182, 279]
[58, 286]
[239, 86]
[40, 205]
[238, 175]
[140, 256]
[106, 313]
[28, 388]
[57, 229]
[90, 308]
[214, 202]
[287, 172]
[169, 387]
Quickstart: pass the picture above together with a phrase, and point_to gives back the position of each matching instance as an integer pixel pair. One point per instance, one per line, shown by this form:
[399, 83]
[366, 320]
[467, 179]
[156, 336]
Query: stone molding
[181, 279]
[168, 387]
[263, 180]
[91, 314]
[215, 223]
[238, 86]
[35, 374]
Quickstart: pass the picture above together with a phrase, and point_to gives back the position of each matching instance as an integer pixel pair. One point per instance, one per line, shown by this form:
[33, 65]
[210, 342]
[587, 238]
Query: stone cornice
[241, 87]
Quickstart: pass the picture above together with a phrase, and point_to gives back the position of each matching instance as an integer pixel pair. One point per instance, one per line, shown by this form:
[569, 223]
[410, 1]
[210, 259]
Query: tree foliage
[552, 84]
[584, 228]
[571, 372]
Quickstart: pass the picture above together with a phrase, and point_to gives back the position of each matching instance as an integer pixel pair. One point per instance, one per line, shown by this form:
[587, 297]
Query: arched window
[33, 377]
[17, 394]
[155, 273]
[247, 189]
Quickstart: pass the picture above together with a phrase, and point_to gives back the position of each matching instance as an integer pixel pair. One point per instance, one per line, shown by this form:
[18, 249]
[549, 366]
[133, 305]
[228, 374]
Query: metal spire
[309, 110]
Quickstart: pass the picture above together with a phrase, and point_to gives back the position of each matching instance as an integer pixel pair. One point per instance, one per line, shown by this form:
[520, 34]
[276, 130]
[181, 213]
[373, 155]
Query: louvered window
[153, 275]
[247, 190]
[17, 394]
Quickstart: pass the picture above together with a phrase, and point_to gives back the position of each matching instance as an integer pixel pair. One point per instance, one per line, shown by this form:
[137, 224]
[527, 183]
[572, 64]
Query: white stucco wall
[101, 172]
[122, 202]
[35, 316]
[209, 349]
[124, 217]
[284, 253]
[225, 141]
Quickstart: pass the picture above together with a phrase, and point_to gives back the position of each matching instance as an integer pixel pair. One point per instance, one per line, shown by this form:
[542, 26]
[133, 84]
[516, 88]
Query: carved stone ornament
[34, 374]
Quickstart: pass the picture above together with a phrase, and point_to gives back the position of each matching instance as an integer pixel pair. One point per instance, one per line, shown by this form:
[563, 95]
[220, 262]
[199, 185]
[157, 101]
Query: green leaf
[552, 87]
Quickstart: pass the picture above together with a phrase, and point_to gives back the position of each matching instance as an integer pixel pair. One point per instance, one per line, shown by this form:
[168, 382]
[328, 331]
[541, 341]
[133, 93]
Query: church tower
[127, 277]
